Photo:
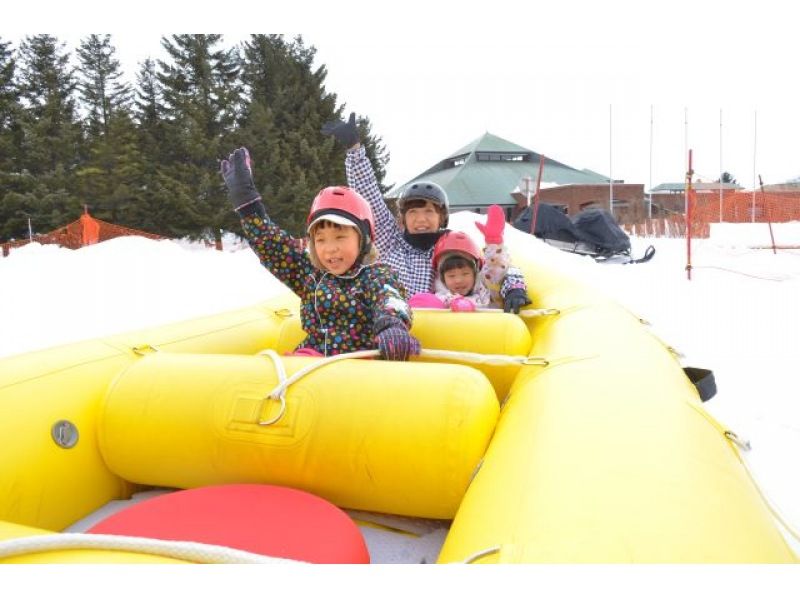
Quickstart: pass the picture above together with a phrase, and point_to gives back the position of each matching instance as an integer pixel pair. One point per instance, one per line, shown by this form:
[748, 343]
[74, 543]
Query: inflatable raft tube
[51, 469]
[606, 455]
[400, 438]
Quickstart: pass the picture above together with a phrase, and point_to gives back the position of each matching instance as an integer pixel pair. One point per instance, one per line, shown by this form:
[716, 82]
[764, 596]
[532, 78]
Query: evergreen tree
[50, 147]
[148, 157]
[107, 127]
[47, 83]
[151, 197]
[727, 177]
[286, 106]
[13, 219]
[201, 90]
[151, 116]
[101, 90]
[10, 111]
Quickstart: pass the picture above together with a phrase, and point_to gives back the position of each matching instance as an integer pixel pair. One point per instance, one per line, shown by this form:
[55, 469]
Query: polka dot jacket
[337, 312]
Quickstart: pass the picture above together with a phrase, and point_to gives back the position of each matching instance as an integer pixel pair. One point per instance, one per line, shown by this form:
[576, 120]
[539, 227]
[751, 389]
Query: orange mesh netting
[733, 206]
[86, 230]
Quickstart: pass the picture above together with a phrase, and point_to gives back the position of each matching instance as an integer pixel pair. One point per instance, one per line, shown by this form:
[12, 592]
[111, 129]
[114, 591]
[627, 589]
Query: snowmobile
[593, 232]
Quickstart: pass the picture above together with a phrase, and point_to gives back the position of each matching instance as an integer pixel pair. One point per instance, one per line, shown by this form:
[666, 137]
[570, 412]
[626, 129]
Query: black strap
[703, 381]
[648, 254]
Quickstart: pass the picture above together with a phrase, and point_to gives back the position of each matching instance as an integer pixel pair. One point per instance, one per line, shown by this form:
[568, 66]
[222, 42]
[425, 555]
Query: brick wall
[629, 201]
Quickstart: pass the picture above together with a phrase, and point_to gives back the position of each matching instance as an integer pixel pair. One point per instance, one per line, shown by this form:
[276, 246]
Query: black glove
[238, 176]
[515, 299]
[345, 133]
[393, 340]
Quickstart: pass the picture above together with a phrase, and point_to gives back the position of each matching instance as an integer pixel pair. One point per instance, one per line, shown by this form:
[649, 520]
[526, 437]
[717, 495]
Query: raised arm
[501, 276]
[277, 251]
[361, 177]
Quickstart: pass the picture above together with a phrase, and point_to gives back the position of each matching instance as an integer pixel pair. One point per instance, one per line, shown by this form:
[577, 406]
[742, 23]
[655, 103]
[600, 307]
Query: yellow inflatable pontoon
[588, 444]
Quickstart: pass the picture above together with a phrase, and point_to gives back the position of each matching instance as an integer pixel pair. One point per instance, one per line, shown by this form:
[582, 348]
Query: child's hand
[459, 303]
[514, 300]
[494, 227]
[238, 176]
[345, 133]
[394, 341]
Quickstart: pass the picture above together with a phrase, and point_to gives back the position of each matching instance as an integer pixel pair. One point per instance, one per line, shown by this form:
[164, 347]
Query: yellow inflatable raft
[595, 448]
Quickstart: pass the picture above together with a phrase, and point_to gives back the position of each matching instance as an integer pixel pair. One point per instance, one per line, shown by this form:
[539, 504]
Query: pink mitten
[461, 304]
[426, 300]
[495, 224]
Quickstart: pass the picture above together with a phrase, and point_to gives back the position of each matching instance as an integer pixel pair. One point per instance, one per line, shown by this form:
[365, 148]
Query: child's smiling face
[459, 280]
[337, 247]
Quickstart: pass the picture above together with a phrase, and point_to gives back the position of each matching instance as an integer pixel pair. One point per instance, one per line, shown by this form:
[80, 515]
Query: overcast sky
[576, 82]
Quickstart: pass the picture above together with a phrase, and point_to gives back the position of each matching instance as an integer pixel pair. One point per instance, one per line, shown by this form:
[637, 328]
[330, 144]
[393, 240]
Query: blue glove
[514, 300]
[345, 133]
[393, 340]
[238, 176]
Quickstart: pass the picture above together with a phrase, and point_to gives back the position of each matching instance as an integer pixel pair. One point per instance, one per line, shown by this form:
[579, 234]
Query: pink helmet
[459, 243]
[344, 206]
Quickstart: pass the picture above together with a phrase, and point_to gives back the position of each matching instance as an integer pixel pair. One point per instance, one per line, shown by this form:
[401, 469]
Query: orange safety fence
[733, 206]
[86, 230]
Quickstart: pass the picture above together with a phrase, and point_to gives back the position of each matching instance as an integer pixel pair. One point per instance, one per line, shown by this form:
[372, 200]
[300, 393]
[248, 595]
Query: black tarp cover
[551, 223]
[593, 227]
[599, 227]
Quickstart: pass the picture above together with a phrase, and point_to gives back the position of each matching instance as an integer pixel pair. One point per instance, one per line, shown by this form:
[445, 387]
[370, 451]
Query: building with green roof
[492, 170]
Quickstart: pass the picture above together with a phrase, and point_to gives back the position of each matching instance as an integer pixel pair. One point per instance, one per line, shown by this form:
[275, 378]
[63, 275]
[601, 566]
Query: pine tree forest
[142, 149]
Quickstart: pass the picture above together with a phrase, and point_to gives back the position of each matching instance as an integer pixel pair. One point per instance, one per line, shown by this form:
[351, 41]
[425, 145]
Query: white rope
[279, 392]
[483, 358]
[480, 554]
[194, 552]
[281, 395]
[523, 313]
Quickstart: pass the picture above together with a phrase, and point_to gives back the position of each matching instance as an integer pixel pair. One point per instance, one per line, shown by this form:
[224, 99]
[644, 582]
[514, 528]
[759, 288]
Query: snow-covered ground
[739, 315]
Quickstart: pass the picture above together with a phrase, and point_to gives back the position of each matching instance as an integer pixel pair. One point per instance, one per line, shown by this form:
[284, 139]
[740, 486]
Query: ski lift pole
[689, 203]
[535, 208]
[766, 211]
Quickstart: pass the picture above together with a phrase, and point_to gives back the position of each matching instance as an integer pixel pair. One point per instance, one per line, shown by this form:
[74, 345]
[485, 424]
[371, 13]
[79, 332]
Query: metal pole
[610, 168]
[528, 199]
[753, 200]
[528, 189]
[536, 197]
[720, 165]
[686, 153]
[650, 188]
[766, 211]
[689, 174]
[30, 231]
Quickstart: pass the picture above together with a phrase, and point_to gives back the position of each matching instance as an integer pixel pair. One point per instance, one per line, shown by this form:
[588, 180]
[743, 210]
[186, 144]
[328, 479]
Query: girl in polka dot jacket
[349, 302]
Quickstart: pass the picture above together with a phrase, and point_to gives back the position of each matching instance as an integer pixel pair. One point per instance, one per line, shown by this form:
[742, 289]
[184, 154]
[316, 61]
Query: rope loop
[480, 554]
[278, 393]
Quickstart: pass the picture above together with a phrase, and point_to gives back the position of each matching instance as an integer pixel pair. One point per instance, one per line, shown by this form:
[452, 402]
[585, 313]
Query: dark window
[502, 157]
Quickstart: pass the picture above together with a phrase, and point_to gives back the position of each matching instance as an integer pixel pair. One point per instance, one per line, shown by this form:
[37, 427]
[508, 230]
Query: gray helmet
[425, 190]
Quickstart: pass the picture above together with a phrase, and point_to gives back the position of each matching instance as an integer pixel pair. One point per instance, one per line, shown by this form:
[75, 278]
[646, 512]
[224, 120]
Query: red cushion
[268, 520]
